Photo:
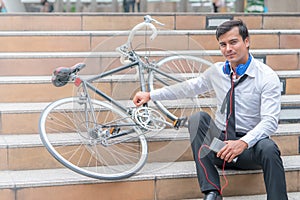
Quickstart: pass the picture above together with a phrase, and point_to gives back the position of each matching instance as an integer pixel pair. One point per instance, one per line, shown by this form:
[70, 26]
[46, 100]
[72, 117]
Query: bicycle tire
[69, 134]
[181, 67]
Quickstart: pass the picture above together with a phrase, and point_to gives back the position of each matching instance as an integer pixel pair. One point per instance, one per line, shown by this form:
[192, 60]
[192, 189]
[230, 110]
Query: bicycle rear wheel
[93, 138]
[175, 69]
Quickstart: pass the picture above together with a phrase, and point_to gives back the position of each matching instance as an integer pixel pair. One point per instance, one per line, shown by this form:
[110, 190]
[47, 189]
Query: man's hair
[228, 25]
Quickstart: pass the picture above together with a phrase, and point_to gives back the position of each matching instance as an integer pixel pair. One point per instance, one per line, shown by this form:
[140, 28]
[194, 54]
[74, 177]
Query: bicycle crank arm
[122, 133]
[180, 122]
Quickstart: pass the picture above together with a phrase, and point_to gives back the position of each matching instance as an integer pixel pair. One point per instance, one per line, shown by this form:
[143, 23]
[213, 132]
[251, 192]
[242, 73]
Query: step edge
[32, 178]
[116, 77]
[126, 32]
[39, 106]
[39, 55]
[33, 140]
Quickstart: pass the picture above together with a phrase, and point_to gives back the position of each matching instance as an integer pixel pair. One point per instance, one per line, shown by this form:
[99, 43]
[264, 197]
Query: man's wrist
[245, 144]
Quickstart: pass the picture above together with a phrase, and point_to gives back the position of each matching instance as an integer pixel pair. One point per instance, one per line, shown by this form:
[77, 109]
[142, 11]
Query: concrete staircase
[33, 45]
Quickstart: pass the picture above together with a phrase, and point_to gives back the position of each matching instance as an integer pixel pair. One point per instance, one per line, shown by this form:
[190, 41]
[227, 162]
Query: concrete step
[164, 181]
[40, 88]
[22, 118]
[81, 41]
[43, 63]
[121, 21]
[26, 151]
[28, 171]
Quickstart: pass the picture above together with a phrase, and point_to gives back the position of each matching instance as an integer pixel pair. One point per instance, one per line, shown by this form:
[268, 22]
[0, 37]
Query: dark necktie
[230, 102]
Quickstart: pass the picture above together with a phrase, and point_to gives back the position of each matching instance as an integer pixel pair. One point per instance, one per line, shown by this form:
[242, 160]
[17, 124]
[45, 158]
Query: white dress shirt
[257, 99]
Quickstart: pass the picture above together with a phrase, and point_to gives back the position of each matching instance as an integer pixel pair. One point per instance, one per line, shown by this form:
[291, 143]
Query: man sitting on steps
[250, 92]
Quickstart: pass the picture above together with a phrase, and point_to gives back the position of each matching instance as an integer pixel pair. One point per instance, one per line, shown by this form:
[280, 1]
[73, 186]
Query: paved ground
[292, 196]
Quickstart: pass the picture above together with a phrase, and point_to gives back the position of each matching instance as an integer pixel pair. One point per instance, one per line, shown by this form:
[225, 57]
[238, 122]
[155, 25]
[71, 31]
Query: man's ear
[247, 42]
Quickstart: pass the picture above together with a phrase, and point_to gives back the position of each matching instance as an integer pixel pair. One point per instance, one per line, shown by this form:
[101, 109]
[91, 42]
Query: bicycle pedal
[114, 130]
[180, 122]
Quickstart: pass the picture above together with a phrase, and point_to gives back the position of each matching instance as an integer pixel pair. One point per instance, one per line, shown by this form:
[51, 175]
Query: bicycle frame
[88, 83]
[128, 55]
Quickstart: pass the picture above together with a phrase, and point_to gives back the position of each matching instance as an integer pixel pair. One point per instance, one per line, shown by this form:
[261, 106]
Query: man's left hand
[232, 149]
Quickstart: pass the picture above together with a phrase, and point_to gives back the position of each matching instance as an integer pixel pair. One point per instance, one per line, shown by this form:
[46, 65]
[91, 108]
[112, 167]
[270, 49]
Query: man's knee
[199, 118]
[198, 123]
[268, 149]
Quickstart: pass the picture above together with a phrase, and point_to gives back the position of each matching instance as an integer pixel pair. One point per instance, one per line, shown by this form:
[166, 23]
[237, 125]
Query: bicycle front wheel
[173, 70]
[93, 138]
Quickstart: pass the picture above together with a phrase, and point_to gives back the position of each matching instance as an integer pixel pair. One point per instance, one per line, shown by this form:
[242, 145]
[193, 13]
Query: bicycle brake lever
[149, 19]
[159, 23]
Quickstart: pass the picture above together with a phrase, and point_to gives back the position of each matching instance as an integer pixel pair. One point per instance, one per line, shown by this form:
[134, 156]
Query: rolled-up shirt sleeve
[186, 89]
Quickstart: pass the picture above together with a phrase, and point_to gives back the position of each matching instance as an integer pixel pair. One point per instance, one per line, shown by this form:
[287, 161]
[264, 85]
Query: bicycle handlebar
[147, 23]
[62, 75]
[124, 49]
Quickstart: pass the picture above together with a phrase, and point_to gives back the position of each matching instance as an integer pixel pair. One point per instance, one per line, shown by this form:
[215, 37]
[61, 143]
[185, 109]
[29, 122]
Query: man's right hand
[141, 98]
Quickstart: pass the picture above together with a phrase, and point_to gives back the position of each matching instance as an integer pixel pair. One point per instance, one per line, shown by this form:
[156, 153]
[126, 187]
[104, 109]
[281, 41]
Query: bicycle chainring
[149, 119]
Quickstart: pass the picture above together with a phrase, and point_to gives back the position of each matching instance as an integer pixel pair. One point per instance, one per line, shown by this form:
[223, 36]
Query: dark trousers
[263, 155]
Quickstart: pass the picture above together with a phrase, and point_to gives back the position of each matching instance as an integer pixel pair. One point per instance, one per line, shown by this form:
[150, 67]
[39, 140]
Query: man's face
[233, 48]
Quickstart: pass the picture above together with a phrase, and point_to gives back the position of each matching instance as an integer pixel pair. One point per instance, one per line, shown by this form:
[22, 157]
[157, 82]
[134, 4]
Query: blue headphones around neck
[240, 69]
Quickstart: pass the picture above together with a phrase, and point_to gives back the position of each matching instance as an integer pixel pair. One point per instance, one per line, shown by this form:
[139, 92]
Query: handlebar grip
[138, 27]
[154, 34]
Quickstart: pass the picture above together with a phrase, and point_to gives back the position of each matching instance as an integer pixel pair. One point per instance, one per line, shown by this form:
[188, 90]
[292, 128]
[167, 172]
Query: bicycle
[104, 139]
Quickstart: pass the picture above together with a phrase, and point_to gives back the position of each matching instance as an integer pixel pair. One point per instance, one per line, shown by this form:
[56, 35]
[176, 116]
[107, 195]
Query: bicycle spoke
[83, 145]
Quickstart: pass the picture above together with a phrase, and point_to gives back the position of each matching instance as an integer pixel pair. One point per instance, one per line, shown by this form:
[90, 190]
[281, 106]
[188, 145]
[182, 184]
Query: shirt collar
[250, 70]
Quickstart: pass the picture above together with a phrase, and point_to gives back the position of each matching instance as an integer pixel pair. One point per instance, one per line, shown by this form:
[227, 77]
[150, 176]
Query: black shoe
[212, 196]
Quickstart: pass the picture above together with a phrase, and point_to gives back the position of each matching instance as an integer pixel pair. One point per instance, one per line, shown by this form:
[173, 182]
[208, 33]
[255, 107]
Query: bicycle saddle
[61, 75]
